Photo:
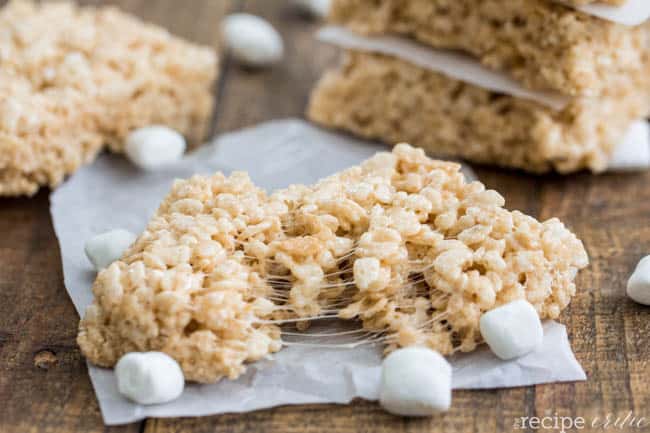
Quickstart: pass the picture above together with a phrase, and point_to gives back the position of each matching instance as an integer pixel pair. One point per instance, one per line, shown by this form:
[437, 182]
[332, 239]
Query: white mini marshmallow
[512, 330]
[154, 146]
[149, 377]
[633, 152]
[252, 40]
[638, 286]
[315, 8]
[415, 381]
[105, 248]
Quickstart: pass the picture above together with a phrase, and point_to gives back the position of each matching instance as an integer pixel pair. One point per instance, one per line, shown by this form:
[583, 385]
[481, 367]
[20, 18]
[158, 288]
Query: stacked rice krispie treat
[73, 80]
[598, 68]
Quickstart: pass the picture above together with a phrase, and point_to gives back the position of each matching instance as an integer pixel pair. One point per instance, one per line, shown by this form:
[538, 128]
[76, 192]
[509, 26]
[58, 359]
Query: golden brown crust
[75, 79]
[385, 98]
[542, 44]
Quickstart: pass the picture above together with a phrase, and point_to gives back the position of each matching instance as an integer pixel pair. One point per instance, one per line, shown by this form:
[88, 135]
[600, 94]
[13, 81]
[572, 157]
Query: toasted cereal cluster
[400, 242]
[74, 79]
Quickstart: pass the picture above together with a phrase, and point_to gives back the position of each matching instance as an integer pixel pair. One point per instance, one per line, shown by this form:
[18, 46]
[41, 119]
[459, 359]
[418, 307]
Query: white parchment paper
[631, 13]
[453, 64]
[111, 193]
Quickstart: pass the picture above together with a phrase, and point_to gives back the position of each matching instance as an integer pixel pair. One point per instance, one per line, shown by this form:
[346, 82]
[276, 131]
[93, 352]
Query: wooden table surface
[44, 384]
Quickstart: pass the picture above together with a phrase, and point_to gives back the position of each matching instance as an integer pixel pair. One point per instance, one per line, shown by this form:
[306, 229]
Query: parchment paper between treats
[631, 13]
[111, 193]
[632, 152]
[452, 64]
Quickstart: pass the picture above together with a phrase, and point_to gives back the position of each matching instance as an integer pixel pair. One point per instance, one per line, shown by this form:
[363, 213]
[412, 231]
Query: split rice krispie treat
[75, 79]
[542, 44]
[401, 243]
[386, 98]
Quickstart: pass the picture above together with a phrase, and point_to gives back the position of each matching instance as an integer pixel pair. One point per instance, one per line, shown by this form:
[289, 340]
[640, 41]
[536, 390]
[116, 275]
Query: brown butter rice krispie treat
[542, 44]
[74, 79]
[386, 98]
[401, 242]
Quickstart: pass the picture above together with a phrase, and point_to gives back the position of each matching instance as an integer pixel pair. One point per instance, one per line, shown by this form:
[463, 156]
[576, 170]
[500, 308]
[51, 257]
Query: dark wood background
[44, 384]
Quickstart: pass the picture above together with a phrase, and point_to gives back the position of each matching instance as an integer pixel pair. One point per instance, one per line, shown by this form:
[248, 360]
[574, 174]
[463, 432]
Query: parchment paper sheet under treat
[111, 193]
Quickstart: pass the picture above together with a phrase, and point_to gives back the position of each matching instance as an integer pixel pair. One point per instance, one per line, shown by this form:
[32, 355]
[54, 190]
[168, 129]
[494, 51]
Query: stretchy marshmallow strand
[415, 381]
[149, 377]
[252, 40]
[155, 146]
[512, 330]
[105, 248]
[638, 286]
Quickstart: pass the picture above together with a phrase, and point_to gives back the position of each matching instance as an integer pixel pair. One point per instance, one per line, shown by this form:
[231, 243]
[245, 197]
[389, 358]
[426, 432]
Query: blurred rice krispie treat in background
[599, 68]
[73, 80]
[542, 44]
[382, 97]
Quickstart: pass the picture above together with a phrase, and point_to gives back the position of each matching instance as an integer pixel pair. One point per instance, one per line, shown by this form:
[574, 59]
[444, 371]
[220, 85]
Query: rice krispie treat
[542, 44]
[400, 242]
[184, 287]
[74, 79]
[381, 97]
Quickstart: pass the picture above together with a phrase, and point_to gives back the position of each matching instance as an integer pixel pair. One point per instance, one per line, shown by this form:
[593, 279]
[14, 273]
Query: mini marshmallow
[149, 377]
[415, 381]
[638, 286]
[252, 40]
[105, 248]
[512, 330]
[315, 8]
[154, 146]
[633, 152]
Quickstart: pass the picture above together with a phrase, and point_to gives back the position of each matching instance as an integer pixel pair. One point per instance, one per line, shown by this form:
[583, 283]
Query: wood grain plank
[611, 214]
[44, 384]
[43, 379]
[252, 96]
